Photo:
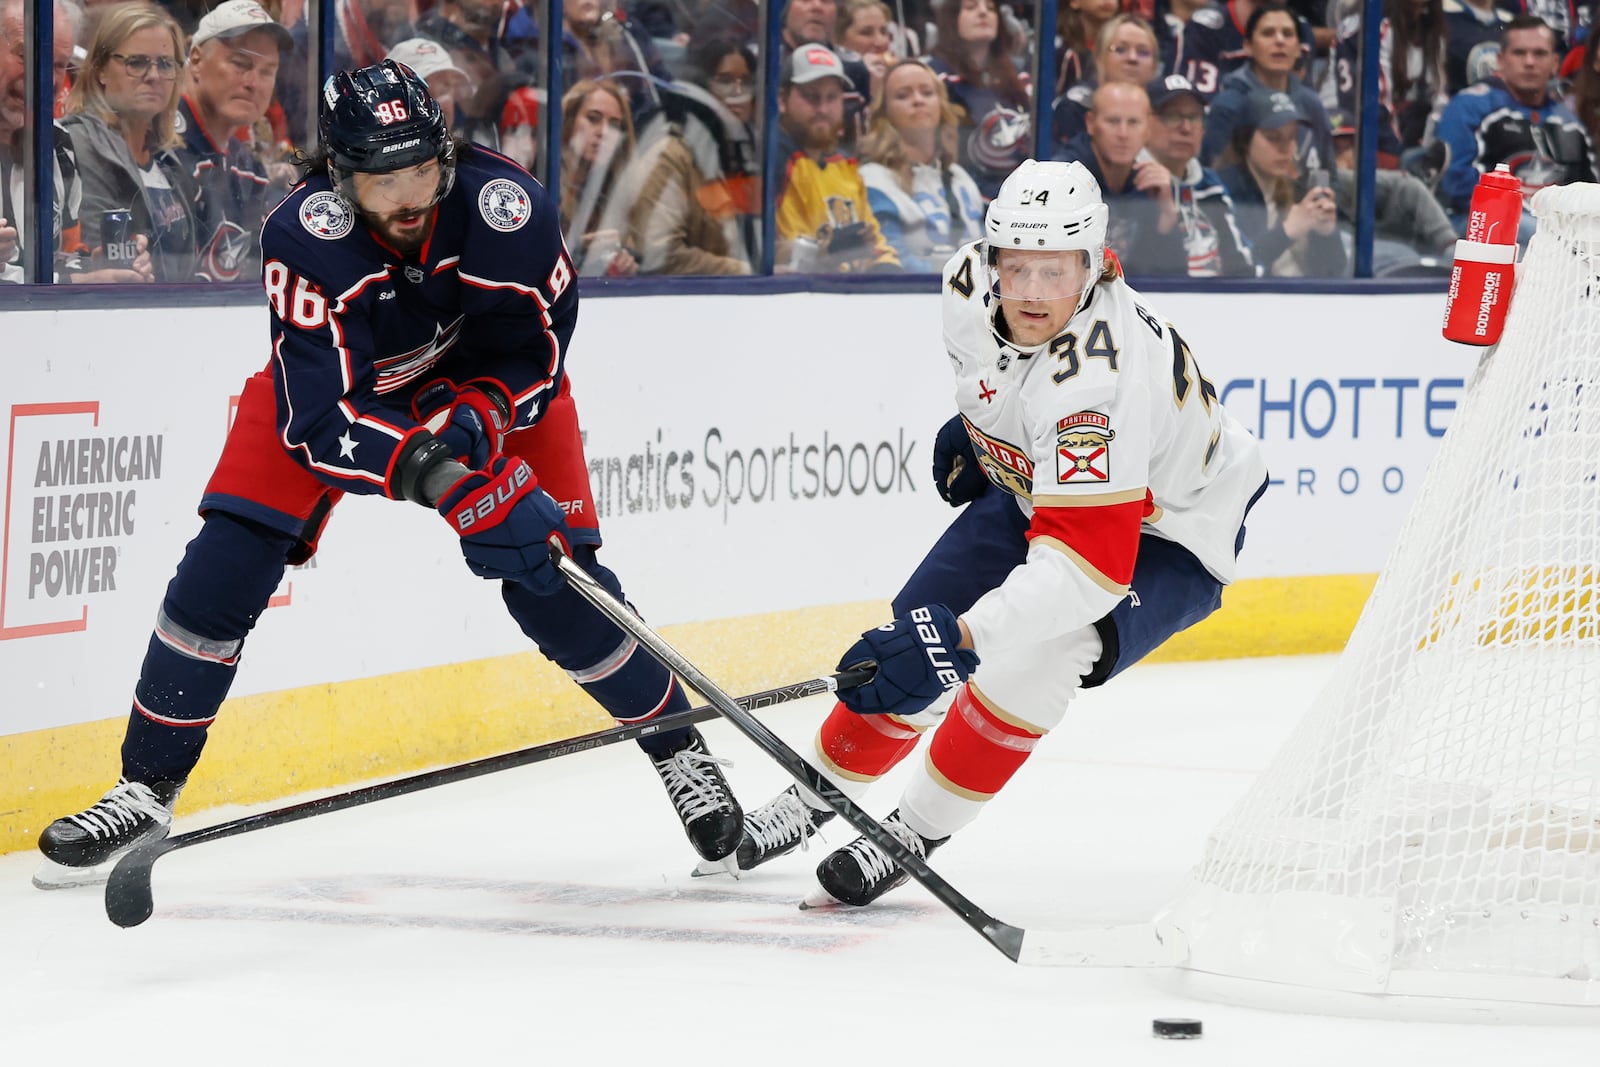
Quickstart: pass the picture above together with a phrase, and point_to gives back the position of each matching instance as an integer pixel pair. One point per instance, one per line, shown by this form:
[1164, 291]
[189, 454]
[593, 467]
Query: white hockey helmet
[1048, 206]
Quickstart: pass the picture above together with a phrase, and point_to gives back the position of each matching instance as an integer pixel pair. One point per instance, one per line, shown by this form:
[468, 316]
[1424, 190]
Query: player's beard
[404, 241]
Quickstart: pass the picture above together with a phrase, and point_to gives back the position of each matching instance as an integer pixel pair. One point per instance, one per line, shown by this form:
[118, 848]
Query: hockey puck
[1179, 1029]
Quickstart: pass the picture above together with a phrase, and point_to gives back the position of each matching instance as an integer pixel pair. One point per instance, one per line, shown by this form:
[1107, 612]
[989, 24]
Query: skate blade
[820, 899]
[53, 875]
[726, 865]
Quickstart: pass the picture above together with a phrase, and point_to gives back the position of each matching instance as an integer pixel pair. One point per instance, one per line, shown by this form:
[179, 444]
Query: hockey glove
[917, 660]
[506, 522]
[955, 466]
[466, 419]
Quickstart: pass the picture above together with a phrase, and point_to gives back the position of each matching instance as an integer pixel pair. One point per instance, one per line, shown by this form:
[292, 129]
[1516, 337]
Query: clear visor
[1038, 276]
[415, 187]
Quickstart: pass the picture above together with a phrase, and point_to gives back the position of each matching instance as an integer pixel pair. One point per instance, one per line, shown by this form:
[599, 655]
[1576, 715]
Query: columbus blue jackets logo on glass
[505, 205]
[226, 253]
[327, 216]
[1083, 448]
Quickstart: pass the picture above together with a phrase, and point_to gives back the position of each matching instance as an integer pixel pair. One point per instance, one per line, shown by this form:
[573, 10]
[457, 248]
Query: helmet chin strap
[999, 328]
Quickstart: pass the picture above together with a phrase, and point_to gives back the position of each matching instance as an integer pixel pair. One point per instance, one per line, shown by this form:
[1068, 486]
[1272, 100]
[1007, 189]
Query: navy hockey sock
[623, 678]
[223, 583]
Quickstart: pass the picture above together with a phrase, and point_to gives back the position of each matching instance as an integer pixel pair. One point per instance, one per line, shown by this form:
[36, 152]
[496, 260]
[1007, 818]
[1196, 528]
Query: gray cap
[237, 17]
[813, 62]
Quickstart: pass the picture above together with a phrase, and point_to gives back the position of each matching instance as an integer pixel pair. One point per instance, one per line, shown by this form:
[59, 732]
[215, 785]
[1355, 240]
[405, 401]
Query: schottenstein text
[80, 502]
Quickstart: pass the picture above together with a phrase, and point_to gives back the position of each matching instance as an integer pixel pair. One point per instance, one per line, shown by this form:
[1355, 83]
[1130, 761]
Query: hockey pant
[986, 729]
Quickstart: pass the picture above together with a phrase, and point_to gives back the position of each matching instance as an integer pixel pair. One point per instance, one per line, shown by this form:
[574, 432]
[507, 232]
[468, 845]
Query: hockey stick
[129, 900]
[1003, 936]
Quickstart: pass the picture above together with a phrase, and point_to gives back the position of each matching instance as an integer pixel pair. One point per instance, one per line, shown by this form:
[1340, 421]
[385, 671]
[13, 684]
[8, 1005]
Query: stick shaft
[1006, 938]
[129, 900]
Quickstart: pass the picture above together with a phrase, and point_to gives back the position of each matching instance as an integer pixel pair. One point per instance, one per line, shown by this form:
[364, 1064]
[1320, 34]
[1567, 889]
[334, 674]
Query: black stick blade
[128, 898]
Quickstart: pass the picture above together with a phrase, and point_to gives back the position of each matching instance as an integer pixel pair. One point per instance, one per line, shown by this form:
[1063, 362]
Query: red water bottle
[1485, 266]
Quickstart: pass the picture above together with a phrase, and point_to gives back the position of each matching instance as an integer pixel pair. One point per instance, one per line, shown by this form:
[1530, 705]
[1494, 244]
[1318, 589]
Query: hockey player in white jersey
[1105, 490]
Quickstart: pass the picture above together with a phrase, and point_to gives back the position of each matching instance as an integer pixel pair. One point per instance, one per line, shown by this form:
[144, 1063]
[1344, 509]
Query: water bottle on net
[1484, 272]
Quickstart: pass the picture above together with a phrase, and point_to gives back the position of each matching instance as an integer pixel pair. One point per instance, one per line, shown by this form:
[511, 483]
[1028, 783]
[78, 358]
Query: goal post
[1427, 841]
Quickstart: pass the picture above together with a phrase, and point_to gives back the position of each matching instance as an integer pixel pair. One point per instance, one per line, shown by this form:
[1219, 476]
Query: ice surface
[547, 915]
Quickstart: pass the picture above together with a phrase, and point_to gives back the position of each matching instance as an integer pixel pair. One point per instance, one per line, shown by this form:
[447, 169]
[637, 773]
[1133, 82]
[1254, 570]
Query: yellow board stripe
[326, 737]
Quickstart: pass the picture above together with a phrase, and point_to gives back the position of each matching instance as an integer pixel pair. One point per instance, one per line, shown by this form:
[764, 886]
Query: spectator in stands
[502, 58]
[69, 264]
[1273, 46]
[678, 218]
[1143, 228]
[599, 40]
[1212, 243]
[1216, 43]
[1584, 99]
[1078, 26]
[364, 30]
[598, 128]
[123, 125]
[1473, 29]
[1410, 222]
[448, 83]
[1169, 22]
[926, 203]
[813, 22]
[861, 33]
[972, 53]
[233, 67]
[726, 68]
[825, 224]
[1291, 233]
[1411, 83]
[1514, 118]
[1128, 52]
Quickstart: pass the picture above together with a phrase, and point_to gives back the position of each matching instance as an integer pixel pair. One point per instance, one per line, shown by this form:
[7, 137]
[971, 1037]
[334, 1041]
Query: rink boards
[760, 470]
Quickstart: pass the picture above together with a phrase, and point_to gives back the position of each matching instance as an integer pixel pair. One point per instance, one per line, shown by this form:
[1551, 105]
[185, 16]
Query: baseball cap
[1268, 110]
[236, 17]
[813, 62]
[425, 57]
[1163, 91]
[1343, 125]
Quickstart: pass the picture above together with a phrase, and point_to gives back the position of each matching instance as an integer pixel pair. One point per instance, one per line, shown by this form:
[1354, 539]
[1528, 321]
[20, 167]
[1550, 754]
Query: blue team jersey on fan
[358, 328]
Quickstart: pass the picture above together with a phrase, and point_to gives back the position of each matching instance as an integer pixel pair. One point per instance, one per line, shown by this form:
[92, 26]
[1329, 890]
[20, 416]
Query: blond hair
[89, 96]
[882, 142]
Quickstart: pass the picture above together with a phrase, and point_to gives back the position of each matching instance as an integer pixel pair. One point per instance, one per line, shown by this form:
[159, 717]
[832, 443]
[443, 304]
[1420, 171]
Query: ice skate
[861, 872]
[774, 829]
[81, 849]
[710, 814]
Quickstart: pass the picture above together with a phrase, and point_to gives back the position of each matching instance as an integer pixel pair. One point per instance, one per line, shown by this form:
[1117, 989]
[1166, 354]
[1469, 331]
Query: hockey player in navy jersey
[1105, 490]
[421, 306]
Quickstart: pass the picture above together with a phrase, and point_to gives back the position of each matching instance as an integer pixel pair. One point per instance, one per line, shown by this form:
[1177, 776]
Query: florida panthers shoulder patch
[1083, 448]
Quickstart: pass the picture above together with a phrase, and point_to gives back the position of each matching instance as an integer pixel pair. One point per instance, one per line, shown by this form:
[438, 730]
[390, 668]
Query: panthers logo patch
[505, 205]
[1083, 448]
[327, 216]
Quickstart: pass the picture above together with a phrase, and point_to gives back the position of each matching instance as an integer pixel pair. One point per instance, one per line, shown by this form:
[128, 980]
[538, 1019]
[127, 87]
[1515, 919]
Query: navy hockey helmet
[382, 118]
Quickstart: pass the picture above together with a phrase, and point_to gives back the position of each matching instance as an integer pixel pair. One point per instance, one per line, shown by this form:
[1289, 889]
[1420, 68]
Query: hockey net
[1432, 828]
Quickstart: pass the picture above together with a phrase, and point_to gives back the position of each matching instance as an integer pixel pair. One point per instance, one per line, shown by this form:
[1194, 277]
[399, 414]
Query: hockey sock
[222, 585]
[622, 677]
[974, 753]
[634, 688]
[857, 750]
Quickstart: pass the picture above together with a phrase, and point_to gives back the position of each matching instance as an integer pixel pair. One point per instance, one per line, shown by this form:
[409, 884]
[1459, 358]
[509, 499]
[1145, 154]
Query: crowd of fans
[1221, 134]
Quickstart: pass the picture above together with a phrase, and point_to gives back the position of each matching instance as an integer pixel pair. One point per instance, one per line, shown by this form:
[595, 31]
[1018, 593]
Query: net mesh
[1437, 812]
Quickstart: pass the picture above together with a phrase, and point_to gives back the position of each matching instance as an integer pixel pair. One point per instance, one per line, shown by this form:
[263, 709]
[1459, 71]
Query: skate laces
[875, 864]
[120, 809]
[693, 783]
[781, 820]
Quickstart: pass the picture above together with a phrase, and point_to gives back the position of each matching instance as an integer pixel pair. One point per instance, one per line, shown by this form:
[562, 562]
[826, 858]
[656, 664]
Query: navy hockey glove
[506, 522]
[917, 660]
[468, 420]
[955, 466]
